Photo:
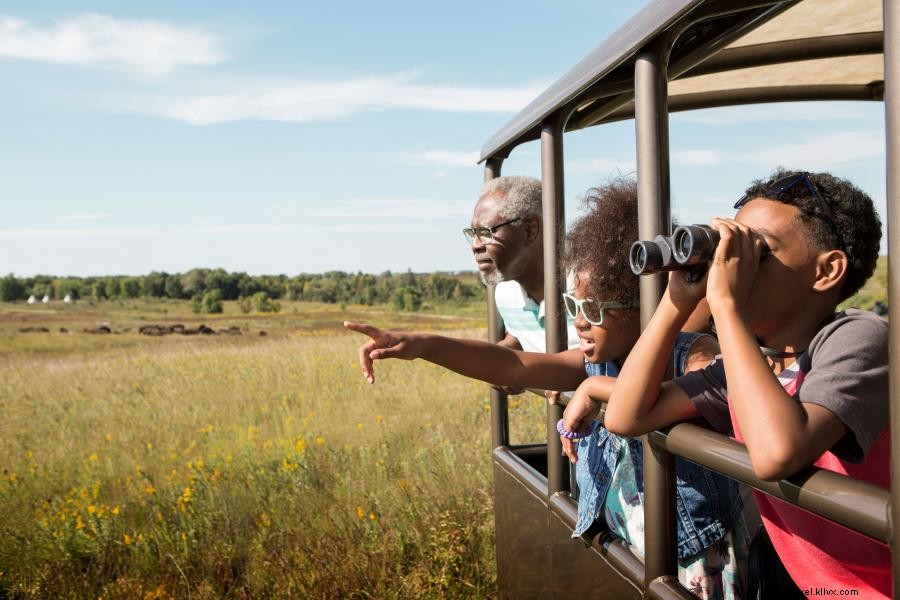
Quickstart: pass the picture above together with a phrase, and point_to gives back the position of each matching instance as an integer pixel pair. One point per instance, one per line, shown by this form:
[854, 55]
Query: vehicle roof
[724, 52]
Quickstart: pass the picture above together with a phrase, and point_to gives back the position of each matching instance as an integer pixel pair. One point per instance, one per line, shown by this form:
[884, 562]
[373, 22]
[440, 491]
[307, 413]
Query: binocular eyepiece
[689, 245]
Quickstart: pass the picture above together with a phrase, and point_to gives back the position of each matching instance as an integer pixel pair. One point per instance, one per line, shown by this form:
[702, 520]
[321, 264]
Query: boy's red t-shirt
[845, 369]
[819, 553]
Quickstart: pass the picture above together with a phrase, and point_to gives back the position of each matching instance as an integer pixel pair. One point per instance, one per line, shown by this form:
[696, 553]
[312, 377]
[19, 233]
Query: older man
[507, 243]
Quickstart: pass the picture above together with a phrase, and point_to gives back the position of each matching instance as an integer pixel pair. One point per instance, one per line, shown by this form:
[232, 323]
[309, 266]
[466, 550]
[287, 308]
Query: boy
[809, 387]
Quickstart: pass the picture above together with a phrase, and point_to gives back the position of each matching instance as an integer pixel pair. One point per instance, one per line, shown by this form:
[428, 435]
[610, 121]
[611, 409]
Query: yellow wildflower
[379, 418]
[300, 446]
[109, 437]
[360, 426]
[79, 524]
[93, 457]
[115, 509]
[320, 441]
[360, 512]
[127, 539]
[92, 508]
[371, 516]
[150, 490]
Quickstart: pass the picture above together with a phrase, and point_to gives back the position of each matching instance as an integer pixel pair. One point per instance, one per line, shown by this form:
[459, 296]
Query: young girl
[607, 321]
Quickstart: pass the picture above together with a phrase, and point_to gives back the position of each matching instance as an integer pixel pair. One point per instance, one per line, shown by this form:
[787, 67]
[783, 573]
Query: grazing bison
[103, 329]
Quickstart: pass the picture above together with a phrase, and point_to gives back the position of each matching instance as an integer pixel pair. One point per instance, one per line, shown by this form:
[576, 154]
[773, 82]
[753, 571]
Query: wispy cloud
[602, 166]
[364, 214]
[26, 233]
[820, 152]
[304, 101]
[394, 209]
[441, 158]
[696, 158]
[87, 217]
[143, 46]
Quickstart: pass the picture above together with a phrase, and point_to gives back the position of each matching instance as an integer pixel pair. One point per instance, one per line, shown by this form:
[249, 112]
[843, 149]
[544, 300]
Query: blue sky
[288, 137]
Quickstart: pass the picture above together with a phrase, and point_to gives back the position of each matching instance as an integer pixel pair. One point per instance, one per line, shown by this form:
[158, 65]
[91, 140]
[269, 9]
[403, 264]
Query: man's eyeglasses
[592, 310]
[485, 234]
[774, 188]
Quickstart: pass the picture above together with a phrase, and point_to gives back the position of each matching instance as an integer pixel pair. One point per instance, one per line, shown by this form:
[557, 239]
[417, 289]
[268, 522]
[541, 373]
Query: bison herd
[154, 330]
[182, 330]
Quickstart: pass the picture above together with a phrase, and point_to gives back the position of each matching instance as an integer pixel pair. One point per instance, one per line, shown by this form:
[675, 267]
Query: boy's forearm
[770, 421]
[638, 385]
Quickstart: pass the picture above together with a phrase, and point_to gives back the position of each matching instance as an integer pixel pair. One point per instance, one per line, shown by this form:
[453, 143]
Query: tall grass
[243, 468]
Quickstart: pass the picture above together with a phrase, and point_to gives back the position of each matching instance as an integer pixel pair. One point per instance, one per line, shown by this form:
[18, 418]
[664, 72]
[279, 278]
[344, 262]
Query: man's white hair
[522, 194]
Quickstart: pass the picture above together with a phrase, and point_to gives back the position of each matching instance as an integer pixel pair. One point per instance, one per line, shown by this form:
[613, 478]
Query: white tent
[46, 298]
[68, 299]
[32, 299]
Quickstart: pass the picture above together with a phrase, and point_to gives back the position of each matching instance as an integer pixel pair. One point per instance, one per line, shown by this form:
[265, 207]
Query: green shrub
[208, 302]
[262, 303]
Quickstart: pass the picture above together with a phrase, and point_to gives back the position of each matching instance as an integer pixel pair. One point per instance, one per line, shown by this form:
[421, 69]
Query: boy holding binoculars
[808, 386]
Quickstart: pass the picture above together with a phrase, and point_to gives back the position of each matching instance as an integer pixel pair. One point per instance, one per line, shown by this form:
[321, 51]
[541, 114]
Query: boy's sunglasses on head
[592, 310]
[778, 186]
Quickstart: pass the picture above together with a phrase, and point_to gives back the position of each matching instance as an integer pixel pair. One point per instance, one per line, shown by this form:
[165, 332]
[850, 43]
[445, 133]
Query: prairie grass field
[240, 466]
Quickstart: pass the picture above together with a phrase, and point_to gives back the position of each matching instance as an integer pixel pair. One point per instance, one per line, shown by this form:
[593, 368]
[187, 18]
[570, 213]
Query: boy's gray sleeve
[706, 389]
[849, 376]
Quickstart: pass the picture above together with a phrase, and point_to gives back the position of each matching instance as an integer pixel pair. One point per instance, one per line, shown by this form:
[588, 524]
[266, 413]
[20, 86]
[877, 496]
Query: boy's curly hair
[598, 243]
[856, 230]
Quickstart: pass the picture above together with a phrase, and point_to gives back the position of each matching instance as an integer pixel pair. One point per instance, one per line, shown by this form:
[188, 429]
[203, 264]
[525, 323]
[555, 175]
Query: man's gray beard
[492, 278]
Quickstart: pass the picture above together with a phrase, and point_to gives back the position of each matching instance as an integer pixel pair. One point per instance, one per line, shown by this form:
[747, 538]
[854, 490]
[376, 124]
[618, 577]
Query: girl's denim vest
[707, 504]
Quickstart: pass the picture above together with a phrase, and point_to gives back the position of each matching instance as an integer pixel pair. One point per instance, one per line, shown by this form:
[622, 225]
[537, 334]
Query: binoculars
[689, 246]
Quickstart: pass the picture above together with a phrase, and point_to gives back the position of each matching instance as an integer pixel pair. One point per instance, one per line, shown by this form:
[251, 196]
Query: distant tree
[173, 287]
[112, 287]
[131, 287]
[407, 299]
[154, 285]
[408, 279]
[68, 286]
[11, 289]
[193, 282]
[247, 286]
[98, 290]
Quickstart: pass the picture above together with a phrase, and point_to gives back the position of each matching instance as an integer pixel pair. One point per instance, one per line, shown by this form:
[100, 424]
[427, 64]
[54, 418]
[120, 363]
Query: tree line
[405, 291]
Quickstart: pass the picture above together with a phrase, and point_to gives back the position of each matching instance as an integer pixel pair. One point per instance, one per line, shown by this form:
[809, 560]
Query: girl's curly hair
[598, 242]
[849, 222]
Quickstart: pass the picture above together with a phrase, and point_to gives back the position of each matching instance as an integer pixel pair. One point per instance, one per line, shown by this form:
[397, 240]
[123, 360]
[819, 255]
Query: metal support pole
[652, 131]
[892, 134]
[499, 404]
[554, 282]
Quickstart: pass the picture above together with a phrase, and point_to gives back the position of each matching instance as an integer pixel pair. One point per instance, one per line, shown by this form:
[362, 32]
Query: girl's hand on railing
[579, 414]
[384, 344]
